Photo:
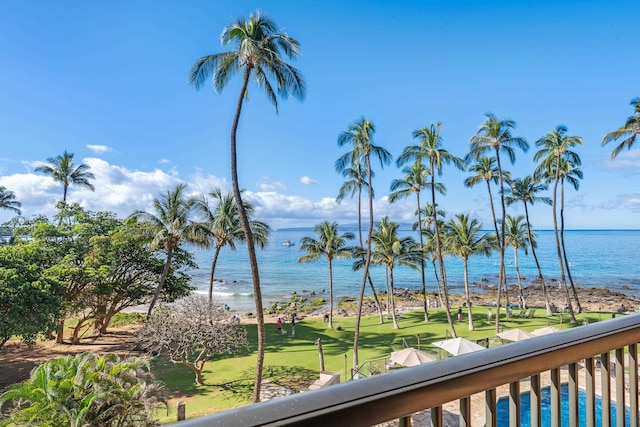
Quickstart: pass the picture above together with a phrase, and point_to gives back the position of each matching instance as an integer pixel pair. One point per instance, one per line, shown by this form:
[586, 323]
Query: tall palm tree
[223, 227]
[494, 134]
[8, 200]
[332, 245]
[517, 237]
[430, 246]
[463, 238]
[259, 50]
[429, 149]
[554, 148]
[415, 179]
[629, 132]
[356, 181]
[359, 135]
[485, 170]
[525, 190]
[62, 169]
[569, 172]
[391, 250]
[170, 227]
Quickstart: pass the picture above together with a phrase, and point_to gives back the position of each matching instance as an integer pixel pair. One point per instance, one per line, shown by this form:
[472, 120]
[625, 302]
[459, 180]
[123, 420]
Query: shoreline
[591, 299]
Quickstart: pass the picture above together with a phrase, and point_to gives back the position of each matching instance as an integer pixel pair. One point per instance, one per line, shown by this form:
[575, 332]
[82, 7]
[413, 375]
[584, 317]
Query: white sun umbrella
[546, 330]
[411, 357]
[458, 346]
[515, 335]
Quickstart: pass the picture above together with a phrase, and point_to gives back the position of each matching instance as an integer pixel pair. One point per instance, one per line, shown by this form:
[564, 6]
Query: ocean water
[599, 258]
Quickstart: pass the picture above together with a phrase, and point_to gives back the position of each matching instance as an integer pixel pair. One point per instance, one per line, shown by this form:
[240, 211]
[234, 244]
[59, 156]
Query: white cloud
[274, 186]
[98, 148]
[164, 161]
[117, 189]
[199, 183]
[124, 191]
[626, 160]
[308, 181]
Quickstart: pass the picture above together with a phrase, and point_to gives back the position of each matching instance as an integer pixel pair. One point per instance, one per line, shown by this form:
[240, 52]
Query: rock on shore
[591, 299]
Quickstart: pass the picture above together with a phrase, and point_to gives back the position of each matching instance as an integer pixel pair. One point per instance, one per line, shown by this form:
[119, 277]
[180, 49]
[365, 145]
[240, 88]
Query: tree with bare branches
[191, 331]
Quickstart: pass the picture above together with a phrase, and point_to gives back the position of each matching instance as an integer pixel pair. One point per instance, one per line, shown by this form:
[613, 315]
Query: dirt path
[17, 360]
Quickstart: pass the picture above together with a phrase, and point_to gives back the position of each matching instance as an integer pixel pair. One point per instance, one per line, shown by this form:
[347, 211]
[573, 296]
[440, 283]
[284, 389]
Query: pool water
[545, 397]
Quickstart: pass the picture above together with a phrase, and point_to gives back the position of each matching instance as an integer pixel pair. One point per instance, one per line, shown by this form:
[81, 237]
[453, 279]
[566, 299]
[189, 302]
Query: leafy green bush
[125, 319]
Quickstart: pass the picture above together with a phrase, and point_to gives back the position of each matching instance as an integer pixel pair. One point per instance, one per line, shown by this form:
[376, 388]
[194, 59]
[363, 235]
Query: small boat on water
[288, 243]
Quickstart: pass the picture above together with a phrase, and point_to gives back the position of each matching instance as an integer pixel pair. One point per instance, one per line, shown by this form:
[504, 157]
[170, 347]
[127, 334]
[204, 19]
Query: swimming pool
[502, 410]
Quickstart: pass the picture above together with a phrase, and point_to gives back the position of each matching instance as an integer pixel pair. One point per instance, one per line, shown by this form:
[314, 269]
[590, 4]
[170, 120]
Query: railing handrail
[393, 395]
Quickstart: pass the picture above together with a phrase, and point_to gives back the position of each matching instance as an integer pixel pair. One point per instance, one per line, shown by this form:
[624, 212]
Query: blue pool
[525, 411]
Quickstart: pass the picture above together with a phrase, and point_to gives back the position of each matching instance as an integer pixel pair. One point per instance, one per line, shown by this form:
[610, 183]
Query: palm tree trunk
[330, 325]
[506, 289]
[515, 257]
[373, 289]
[253, 261]
[424, 287]
[214, 262]
[467, 297]
[555, 232]
[495, 226]
[564, 250]
[435, 273]
[443, 273]
[501, 278]
[393, 301]
[163, 278]
[545, 291]
[367, 263]
[375, 298]
[388, 288]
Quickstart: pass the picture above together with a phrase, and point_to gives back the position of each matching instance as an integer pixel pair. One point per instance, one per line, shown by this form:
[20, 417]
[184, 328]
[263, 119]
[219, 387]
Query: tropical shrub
[86, 390]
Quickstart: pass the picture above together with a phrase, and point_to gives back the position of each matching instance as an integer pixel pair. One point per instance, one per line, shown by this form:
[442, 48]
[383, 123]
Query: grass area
[294, 361]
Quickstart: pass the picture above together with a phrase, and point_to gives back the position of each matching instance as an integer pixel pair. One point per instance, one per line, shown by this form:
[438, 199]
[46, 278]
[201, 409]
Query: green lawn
[294, 361]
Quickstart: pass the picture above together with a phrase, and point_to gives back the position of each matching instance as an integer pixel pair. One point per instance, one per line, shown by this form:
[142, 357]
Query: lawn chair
[531, 313]
[524, 314]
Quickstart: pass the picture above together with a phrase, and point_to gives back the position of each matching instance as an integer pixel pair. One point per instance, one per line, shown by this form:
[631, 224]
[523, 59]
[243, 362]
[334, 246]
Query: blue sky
[107, 81]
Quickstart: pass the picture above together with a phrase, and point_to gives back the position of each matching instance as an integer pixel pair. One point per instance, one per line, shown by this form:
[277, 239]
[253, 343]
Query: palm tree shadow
[294, 378]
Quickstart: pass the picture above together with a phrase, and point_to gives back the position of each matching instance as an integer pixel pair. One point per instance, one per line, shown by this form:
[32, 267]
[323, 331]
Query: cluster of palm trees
[216, 224]
[260, 52]
[461, 236]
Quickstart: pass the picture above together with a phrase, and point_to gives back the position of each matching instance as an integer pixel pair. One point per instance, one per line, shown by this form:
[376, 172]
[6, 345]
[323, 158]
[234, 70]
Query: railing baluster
[535, 401]
[405, 421]
[620, 407]
[514, 404]
[465, 412]
[555, 398]
[605, 388]
[436, 416]
[633, 384]
[590, 380]
[490, 405]
[574, 416]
